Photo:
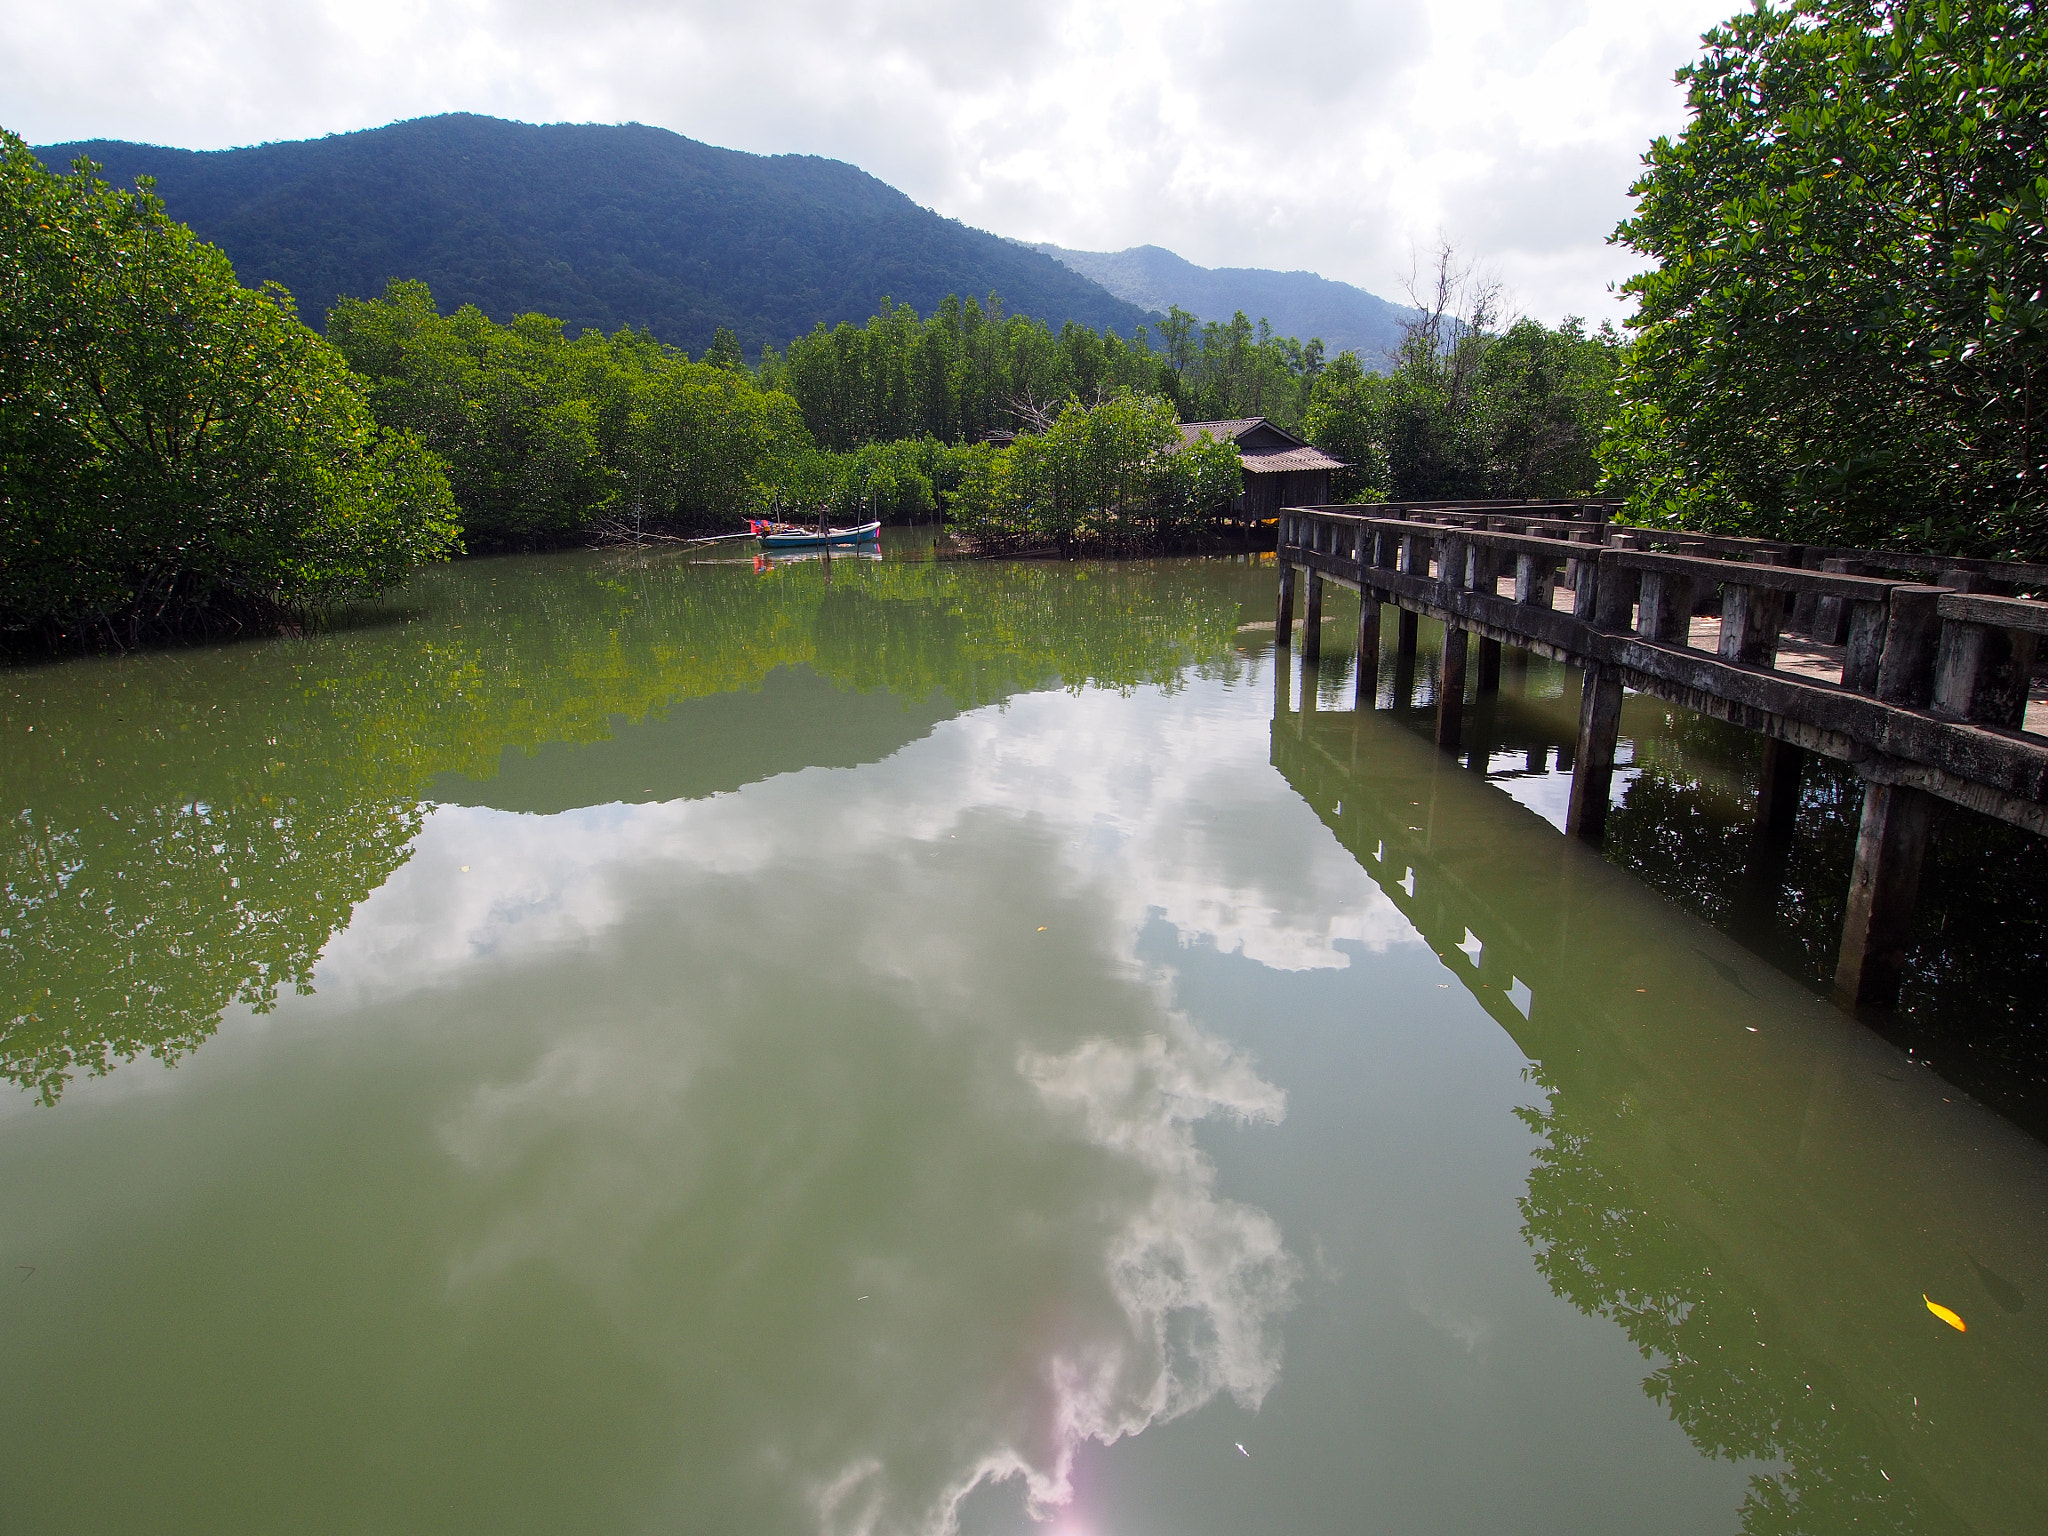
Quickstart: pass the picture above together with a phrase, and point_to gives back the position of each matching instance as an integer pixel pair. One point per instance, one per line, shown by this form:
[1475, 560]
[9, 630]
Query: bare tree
[1457, 308]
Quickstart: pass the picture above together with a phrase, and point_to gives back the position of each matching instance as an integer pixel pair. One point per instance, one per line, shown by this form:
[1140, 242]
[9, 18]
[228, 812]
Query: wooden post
[1665, 609]
[1830, 620]
[1534, 579]
[1890, 845]
[1312, 621]
[1404, 659]
[1905, 673]
[1283, 615]
[1593, 757]
[1865, 623]
[1777, 793]
[1489, 665]
[1981, 673]
[1367, 688]
[1450, 690]
[1750, 620]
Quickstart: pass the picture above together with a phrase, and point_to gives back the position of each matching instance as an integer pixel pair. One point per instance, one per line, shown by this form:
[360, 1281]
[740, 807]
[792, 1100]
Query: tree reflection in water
[1603, 1246]
[187, 830]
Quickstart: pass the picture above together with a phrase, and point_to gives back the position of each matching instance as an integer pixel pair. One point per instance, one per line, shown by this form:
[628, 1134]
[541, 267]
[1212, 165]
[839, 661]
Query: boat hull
[860, 535]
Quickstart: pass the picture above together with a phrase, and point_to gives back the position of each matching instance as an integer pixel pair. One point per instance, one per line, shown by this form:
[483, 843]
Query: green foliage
[1115, 477]
[1470, 412]
[1223, 371]
[546, 437]
[899, 482]
[964, 371]
[177, 450]
[1843, 338]
[1342, 420]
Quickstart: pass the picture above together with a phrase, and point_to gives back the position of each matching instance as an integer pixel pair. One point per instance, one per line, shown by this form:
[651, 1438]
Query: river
[625, 1042]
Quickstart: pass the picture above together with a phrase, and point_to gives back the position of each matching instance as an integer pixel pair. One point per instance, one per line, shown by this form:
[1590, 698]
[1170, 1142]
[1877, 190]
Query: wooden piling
[1367, 688]
[1450, 690]
[1891, 842]
[1593, 756]
[1777, 793]
[1489, 665]
[1312, 621]
[1404, 659]
[1283, 614]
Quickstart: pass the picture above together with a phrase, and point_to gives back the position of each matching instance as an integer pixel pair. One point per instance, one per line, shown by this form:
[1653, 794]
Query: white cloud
[1287, 133]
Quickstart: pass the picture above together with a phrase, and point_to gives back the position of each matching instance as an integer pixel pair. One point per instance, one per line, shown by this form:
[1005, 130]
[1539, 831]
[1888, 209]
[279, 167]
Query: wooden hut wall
[1265, 494]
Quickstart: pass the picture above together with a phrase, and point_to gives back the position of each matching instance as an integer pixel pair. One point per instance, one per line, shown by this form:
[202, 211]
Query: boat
[788, 536]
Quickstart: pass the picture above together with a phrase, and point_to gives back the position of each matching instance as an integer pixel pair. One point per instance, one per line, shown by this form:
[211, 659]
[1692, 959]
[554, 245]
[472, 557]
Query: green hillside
[601, 226]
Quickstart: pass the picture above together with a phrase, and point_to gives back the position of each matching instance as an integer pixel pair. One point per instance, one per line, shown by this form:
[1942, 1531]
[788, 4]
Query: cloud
[1286, 133]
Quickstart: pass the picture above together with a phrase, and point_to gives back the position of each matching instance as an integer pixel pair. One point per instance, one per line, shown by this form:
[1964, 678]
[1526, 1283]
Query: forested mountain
[1299, 304]
[598, 226]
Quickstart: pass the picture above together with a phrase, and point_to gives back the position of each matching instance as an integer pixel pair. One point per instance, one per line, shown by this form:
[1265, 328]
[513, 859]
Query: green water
[617, 1044]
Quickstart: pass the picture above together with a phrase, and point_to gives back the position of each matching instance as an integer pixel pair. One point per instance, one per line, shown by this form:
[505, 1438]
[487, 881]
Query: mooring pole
[1312, 621]
[1450, 690]
[1891, 842]
[1367, 690]
[1593, 756]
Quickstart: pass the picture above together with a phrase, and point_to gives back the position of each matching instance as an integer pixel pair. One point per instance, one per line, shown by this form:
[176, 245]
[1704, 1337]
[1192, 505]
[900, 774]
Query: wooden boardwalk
[1917, 672]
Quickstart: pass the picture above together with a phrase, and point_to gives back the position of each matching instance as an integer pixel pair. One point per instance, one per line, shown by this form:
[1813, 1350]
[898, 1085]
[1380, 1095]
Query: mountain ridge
[598, 225]
[1299, 303]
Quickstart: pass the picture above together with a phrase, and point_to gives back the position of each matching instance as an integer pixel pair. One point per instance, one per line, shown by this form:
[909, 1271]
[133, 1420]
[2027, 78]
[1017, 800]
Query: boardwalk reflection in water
[1755, 1188]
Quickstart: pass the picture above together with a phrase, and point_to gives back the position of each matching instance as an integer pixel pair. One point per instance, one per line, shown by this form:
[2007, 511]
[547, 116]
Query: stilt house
[1280, 470]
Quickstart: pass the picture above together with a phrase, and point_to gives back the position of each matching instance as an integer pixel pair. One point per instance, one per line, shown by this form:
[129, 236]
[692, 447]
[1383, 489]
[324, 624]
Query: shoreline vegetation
[1843, 339]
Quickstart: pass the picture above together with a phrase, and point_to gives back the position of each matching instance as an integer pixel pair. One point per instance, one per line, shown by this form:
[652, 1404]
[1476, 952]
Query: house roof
[1262, 448]
[1287, 461]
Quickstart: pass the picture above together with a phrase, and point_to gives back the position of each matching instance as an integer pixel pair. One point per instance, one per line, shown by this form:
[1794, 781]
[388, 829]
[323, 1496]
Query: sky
[1337, 136]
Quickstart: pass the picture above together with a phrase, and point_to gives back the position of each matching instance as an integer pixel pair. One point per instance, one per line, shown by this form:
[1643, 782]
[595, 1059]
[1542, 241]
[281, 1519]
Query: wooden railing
[1921, 686]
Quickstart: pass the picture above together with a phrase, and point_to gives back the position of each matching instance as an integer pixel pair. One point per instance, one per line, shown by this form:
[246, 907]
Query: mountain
[600, 226]
[1297, 303]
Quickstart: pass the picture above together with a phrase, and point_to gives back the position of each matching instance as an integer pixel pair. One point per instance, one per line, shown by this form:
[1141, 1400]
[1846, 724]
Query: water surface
[615, 1043]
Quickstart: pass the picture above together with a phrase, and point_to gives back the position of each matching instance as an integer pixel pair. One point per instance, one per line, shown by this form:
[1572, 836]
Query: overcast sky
[1312, 134]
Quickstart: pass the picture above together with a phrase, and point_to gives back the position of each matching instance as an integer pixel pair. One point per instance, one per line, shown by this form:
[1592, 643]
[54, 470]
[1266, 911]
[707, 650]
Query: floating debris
[1945, 1314]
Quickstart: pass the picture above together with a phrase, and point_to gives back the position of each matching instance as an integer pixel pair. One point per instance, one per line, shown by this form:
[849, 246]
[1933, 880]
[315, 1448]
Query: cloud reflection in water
[893, 1207]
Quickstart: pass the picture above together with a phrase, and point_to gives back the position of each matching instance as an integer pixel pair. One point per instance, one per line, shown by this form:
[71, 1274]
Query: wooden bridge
[1916, 671]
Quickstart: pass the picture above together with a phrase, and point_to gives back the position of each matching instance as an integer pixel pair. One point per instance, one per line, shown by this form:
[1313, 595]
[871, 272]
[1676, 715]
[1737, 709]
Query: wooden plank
[1780, 578]
[2018, 613]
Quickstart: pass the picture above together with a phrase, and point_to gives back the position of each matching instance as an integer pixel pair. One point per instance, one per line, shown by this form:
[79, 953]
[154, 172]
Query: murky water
[622, 1044]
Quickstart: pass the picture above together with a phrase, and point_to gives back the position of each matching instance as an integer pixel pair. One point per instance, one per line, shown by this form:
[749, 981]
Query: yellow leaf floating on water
[1944, 1314]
